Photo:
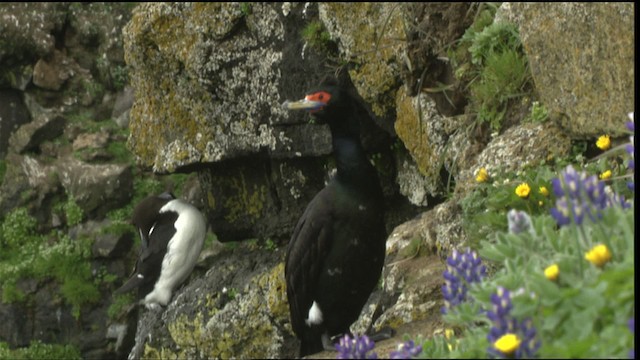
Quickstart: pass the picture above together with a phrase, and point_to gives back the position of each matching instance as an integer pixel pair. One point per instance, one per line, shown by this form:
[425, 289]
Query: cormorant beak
[304, 104]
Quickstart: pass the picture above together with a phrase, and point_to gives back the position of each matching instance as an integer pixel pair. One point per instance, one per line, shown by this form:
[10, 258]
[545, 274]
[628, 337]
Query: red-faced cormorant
[335, 256]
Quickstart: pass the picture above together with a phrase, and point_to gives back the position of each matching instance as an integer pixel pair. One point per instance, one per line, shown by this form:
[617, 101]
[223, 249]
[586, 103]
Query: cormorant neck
[352, 163]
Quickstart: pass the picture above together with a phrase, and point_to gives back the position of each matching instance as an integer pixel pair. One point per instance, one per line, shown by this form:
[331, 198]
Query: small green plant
[73, 212]
[491, 59]
[538, 113]
[11, 293]
[39, 350]
[119, 76]
[502, 78]
[270, 245]
[119, 303]
[246, 8]
[316, 35]
[18, 229]
[120, 152]
[485, 208]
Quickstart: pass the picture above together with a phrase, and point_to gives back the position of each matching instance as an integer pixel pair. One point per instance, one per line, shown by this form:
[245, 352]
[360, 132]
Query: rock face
[238, 309]
[208, 96]
[582, 60]
[13, 114]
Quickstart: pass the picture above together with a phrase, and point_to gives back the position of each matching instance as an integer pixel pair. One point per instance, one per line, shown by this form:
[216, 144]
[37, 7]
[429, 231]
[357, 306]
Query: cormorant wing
[309, 245]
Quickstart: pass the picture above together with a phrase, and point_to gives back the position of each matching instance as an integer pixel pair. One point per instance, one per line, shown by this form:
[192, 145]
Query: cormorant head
[329, 104]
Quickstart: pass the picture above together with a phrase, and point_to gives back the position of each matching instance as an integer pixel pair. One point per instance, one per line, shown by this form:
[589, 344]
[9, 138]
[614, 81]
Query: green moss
[316, 35]
[10, 293]
[120, 152]
[74, 213]
[18, 229]
[119, 304]
[55, 256]
[39, 350]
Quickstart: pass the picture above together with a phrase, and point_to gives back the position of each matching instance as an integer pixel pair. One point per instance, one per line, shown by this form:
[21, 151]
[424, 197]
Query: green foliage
[73, 212]
[18, 229]
[39, 350]
[270, 245]
[119, 76]
[246, 8]
[485, 208]
[29, 255]
[120, 152]
[490, 58]
[316, 35]
[502, 78]
[495, 38]
[80, 117]
[11, 293]
[584, 312]
[539, 113]
[119, 303]
[94, 89]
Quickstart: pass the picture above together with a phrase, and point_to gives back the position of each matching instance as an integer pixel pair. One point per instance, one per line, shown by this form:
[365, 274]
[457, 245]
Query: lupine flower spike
[509, 337]
[630, 150]
[407, 350]
[462, 270]
[581, 196]
[358, 347]
[519, 221]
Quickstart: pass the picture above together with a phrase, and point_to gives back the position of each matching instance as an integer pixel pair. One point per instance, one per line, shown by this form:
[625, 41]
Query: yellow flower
[540, 203]
[448, 334]
[507, 344]
[523, 190]
[599, 255]
[552, 272]
[482, 175]
[604, 142]
[544, 191]
[605, 175]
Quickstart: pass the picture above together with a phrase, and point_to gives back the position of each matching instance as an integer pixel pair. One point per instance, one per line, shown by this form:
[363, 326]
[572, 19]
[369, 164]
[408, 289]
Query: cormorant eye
[321, 96]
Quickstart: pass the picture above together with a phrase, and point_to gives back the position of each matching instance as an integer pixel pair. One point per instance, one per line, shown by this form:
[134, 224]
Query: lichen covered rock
[199, 96]
[237, 310]
[369, 34]
[582, 61]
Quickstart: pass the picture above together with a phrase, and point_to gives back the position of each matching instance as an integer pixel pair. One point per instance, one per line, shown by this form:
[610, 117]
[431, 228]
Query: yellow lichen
[244, 202]
[187, 332]
[413, 134]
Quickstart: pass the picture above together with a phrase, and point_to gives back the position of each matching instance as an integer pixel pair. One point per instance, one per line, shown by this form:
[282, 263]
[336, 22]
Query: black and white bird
[172, 234]
[335, 256]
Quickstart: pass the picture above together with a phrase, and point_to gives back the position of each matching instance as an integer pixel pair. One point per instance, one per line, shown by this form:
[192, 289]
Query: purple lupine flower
[519, 221]
[358, 347]
[504, 323]
[630, 150]
[462, 270]
[581, 196]
[406, 350]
